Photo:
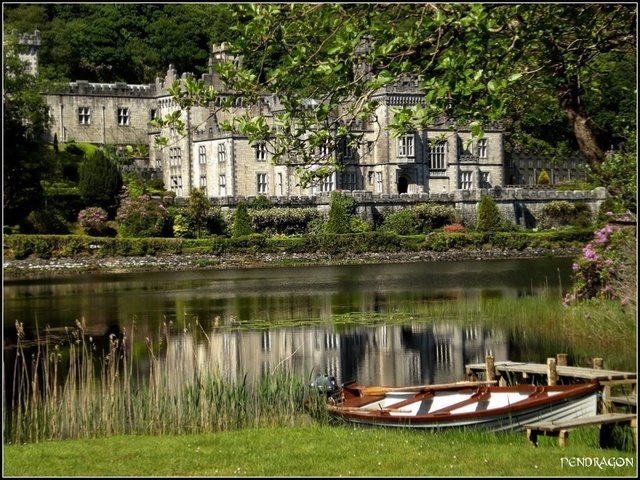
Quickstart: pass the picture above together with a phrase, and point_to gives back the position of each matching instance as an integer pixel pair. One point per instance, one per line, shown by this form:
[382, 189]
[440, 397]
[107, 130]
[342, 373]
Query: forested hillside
[127, 42]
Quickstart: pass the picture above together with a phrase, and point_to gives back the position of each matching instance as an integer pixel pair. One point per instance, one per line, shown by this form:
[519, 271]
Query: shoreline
[37, 267]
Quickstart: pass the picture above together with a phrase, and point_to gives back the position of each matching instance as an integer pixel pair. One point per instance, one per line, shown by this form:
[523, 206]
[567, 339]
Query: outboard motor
[326, 384]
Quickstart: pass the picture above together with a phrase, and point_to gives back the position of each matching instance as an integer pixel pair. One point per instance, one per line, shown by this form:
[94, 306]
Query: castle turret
[361, 68]
[220, 54]
[29, 49]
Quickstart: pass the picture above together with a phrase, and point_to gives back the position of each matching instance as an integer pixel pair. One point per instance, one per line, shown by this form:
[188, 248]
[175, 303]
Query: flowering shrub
[453, 228]
[606, 265]
[93, 219]
[140, 216]
[431, 215]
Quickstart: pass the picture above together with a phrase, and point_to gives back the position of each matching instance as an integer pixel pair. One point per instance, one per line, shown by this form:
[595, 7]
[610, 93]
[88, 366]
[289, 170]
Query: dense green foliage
[100, 181]
[197, 209]
[24, 120]
[543, 178]
[133, 43]
[560, 213]
[241, 221]
[419, 218]
[283, 221]
[619, 171]
[489, 219]
[47, 246]
[342, 209]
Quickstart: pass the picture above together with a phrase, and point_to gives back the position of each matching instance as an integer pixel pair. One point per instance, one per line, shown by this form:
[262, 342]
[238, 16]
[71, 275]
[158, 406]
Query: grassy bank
[320, 450]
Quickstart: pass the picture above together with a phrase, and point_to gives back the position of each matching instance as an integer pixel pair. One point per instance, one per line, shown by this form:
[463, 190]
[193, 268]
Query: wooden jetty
[618, 403]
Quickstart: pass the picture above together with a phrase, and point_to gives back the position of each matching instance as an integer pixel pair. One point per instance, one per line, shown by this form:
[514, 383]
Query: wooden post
[561, 359]
[552, 373]
[598, 363]
[490, 368]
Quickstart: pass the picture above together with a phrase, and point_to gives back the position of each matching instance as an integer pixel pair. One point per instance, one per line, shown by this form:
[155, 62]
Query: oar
[370, 391]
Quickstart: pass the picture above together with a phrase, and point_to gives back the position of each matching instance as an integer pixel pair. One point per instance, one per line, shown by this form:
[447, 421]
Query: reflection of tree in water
[353, 347]
[424, 343]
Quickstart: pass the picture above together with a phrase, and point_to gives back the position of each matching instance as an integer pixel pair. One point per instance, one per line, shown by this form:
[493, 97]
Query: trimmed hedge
[20, 246]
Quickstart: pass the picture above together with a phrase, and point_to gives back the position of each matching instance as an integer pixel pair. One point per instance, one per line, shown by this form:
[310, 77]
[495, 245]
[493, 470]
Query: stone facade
[435, 160]
[525, 169]
[116, 114]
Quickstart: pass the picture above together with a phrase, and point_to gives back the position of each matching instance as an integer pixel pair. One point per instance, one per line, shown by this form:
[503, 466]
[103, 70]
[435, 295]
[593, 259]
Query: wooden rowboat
[463, 404]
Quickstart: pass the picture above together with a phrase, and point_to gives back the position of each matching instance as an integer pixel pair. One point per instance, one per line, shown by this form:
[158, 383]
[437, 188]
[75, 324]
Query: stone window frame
[438, 155]
[261, 151]
[466, 180]
[203, 184]
[326, 183]
[222, 184]
[176, 184]
[485, 179]
[348, 152]
[407, 146]
[482, 148]
[84, 115]
[123, 116]
[379, 184]
[262, 183]
[350, 181]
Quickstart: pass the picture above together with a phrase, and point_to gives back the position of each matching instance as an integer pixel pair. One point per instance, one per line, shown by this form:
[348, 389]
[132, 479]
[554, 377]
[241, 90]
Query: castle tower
[362, 69]
[29, 44]
[220, 54]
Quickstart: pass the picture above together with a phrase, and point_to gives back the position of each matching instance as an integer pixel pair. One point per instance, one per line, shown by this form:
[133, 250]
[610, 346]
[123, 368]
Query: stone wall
[520, 206]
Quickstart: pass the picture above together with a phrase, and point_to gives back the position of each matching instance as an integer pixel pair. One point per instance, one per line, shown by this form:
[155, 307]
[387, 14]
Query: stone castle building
[433, 160]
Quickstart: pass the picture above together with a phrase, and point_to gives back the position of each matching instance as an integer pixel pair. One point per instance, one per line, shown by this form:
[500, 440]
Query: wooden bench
[629, 400]
[561, 429]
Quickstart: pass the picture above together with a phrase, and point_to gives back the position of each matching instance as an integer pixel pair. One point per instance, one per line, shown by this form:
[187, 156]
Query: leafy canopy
[476, 63]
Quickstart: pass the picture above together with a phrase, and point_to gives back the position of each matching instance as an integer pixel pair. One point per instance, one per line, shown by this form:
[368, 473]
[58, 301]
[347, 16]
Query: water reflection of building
[383, 354]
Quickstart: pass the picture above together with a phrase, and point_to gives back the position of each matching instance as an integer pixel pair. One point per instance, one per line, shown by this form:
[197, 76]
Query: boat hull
[491, 408]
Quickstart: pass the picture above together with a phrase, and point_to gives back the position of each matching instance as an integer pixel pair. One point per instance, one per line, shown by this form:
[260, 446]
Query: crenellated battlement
[28, 38]
[117, 89]
[162, 85]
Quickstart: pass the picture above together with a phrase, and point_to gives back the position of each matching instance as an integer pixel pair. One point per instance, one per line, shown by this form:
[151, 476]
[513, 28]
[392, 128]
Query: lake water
[253, 320]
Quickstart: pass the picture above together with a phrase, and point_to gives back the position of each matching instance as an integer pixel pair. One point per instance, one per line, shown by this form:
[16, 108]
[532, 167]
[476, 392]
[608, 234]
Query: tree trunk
[569, 97]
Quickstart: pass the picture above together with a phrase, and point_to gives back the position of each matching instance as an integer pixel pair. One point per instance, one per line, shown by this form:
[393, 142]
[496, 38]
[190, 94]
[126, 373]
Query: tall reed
[73, 389]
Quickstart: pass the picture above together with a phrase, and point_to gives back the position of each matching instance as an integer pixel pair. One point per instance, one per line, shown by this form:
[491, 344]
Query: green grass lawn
[323, 450]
